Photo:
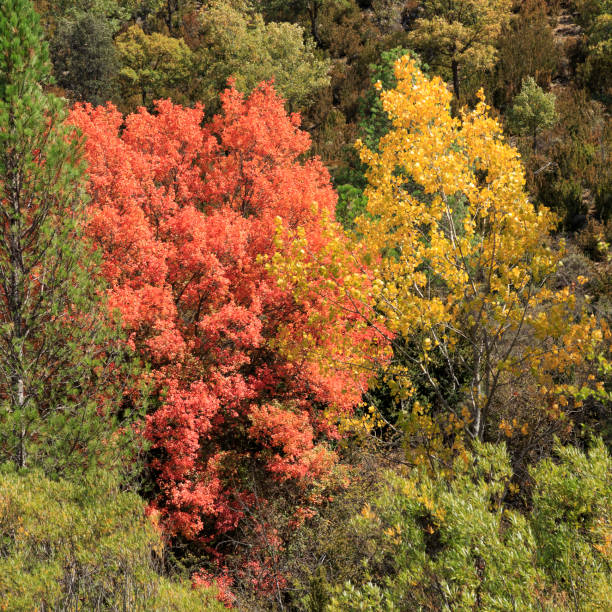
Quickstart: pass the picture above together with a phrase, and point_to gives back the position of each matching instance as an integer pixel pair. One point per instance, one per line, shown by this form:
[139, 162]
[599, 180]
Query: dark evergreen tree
[85, 59]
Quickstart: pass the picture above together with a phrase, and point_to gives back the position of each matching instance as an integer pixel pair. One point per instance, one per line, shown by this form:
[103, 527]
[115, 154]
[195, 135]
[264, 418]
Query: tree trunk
[168, 19]
[314, 21]
[16, 312]
[455, 68]
[20, 461]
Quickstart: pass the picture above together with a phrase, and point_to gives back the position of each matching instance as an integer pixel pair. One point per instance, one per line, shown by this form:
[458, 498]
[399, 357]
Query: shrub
[451, 541]
[87, 546]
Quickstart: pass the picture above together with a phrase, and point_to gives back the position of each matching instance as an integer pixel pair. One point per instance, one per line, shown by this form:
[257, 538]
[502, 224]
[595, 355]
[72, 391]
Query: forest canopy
[305, 305]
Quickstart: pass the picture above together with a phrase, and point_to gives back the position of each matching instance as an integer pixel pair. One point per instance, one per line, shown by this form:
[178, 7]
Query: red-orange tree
[182, 214]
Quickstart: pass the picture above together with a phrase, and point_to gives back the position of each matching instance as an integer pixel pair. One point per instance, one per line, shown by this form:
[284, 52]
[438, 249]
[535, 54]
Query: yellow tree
[457, 37]
[453, 264]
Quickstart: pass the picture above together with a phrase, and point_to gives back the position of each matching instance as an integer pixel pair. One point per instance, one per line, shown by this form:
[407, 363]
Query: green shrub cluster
[467, 540]
[84, 546]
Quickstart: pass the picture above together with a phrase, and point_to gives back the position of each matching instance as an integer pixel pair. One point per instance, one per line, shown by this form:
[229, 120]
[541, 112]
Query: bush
[88, 546]
[572, 524]
[451, 541]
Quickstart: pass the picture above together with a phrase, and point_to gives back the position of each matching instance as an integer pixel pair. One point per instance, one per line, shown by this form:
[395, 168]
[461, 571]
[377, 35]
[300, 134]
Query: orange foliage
[185, 216]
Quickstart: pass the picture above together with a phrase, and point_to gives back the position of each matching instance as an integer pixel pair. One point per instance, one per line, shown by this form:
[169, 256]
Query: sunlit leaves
[460, 267]
[185, 216]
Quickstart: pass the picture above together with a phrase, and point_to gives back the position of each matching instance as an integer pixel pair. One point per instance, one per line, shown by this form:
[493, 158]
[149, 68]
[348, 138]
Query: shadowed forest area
[305, 305]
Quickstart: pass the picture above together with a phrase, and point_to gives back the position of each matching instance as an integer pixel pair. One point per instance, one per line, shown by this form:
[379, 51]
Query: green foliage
[376, 122]
[351, 204]
[86, 546]
[449, 542]
[373, 126]
[597, 69]
[526, 47]
[153, 65]
[311, 10]
[457, 38]
[533, 110]
[368, 598]
[596, 18]
[85, 58]
[354, 39]
[589, 10]
[572, 171]
[61, 365]
[113, 12]
[572, 524]
[317, 599]
[236, 42]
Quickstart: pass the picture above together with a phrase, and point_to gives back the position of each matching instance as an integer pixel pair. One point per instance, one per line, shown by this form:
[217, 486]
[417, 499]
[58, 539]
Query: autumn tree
[58, 358]
[463, 276]
[457, 38]
[183, 214]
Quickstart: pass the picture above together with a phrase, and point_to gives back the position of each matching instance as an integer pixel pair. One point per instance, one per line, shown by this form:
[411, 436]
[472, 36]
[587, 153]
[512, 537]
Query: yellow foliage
[467, 254]
[451, 253]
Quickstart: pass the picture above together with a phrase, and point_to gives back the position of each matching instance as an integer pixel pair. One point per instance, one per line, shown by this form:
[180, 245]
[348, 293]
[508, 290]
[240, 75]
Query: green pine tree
[533, 110]
[60, 362]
